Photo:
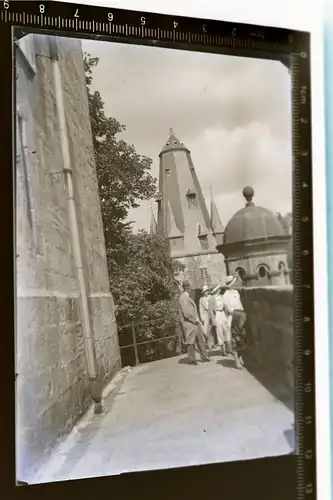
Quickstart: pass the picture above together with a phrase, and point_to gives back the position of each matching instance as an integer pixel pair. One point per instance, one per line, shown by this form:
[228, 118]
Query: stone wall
[52, 382]
[270, 333]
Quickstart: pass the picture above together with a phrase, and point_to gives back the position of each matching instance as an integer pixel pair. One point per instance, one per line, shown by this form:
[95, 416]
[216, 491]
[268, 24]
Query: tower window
[282, 267]
[168, 171]
[192, 202]
[262, 271]
[204, 274]
[191, 198]
[241, 273]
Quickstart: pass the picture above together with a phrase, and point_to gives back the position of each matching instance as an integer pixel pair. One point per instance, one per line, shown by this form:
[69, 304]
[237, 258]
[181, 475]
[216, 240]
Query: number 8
[42, 9]
[6, 4]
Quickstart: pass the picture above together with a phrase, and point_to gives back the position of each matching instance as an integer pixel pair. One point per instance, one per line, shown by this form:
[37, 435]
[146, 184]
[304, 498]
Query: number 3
[6, 4]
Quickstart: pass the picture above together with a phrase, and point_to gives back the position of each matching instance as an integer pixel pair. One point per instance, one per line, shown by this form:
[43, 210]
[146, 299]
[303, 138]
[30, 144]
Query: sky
[232, 113]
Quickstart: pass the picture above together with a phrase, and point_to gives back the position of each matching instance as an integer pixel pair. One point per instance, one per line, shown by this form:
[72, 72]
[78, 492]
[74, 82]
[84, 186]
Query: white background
[302, 15]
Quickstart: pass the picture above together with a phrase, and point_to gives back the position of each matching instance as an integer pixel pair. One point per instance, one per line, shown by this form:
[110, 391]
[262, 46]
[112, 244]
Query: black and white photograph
[154, 258]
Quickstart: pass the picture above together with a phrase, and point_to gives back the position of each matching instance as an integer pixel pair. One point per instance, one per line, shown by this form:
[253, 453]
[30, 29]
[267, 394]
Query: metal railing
[135, 344]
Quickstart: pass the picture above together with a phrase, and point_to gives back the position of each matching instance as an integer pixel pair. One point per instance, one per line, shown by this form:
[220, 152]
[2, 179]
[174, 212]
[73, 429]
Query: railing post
[135, 346]
[180, 339]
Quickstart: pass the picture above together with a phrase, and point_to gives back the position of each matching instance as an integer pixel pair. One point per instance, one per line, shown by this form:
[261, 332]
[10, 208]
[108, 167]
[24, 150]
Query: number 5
[6, 4]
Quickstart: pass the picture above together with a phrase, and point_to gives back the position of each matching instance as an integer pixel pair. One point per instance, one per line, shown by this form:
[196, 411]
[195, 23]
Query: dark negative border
[287, 477]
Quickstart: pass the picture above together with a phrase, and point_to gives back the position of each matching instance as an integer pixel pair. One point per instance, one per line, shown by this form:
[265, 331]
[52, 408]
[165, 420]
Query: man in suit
[192, 331]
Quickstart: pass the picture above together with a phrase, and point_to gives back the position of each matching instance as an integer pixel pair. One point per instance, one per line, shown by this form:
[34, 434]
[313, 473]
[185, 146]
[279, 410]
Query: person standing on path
[212, 317]
[205, 315]
[192, 331]
[221, 321]
[236, 319]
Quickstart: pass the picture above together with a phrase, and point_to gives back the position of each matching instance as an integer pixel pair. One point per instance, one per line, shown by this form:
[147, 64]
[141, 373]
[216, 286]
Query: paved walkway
[170, 414]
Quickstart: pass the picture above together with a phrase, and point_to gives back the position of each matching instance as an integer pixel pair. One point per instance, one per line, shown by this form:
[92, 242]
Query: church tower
[183, 217]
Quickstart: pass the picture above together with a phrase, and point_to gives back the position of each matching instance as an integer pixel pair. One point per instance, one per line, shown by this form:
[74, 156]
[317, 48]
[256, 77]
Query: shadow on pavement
[214, 353]
[279, 391]
[228, 363]
[184, 361]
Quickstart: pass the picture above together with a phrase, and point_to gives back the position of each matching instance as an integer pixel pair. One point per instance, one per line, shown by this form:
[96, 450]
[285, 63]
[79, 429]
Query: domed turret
[255, 245]
[252, 222]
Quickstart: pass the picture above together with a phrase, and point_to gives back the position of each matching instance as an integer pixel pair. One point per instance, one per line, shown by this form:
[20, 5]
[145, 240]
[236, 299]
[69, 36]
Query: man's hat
[230, 280]
[205, 289]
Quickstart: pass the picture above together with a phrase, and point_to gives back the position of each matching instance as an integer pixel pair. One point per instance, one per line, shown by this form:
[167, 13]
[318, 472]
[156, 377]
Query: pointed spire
[172, 227]
[173, 143]
[153, 223]
[215, 221]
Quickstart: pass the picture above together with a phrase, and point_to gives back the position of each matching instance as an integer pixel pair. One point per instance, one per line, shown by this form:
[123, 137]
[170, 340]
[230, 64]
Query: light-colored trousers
[222, 328]
[206, 324]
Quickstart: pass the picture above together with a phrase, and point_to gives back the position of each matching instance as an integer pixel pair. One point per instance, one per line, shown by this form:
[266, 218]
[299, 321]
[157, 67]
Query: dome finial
[248, 194]
[170, 130]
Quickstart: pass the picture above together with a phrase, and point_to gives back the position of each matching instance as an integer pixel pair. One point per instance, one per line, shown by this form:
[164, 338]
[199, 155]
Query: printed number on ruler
[6, 4]
[303, 94]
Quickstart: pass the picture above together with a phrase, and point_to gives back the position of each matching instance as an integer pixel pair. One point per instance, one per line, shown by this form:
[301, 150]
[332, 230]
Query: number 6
[6, 4]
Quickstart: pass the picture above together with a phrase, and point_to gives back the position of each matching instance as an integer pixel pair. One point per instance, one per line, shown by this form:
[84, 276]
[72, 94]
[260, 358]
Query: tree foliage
[141, 276]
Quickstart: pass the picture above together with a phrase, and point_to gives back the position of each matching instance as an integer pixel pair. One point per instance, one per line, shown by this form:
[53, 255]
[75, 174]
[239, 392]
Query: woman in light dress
[221, 320]
[236, 318]
[204, 312]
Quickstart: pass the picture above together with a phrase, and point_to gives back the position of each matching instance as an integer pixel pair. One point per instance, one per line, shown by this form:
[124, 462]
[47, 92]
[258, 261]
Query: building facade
[183, 217]
[66, 337]
[256, 245]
